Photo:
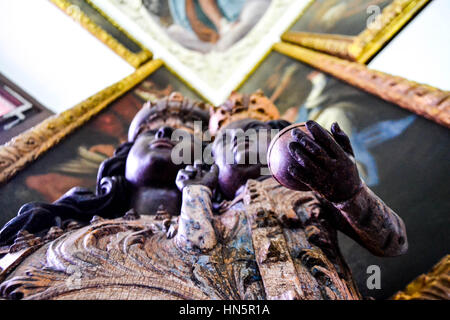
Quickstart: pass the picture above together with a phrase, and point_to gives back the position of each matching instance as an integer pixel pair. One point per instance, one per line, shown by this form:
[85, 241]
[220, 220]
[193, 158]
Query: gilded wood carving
[362, 47]
[424, 100]
[431, 286]
[135, 59]
[28, 146]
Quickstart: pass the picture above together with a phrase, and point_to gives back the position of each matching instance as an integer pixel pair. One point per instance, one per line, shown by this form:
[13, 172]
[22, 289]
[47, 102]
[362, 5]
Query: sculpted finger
[314, 151]
[324, 139]
[342, 138]
[214, 170]
[190, 171]
[298, 134]
[198, 164]
[9, 231]
[181, 177]
[298, 173]
[302, 158]
[184, 175]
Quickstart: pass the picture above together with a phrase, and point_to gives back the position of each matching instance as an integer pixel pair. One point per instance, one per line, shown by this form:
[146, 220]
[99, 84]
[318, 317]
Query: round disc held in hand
[280, 159]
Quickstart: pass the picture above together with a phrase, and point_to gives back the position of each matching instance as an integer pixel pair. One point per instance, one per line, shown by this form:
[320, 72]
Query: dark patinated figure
[140, 176]
[264, 241]
[299, 228]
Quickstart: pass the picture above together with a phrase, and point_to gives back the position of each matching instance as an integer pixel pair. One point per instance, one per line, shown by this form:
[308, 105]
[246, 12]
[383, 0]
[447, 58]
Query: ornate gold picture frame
[366, 44]
[424, 100]
[106, 30]
[28, 146]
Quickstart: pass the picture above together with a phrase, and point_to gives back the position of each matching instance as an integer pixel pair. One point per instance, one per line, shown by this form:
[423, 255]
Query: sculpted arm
[195, 228]
[324, 162]
[369, 221]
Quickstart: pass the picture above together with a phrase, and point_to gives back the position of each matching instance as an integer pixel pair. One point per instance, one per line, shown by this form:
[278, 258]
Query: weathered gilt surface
[28, 146]
[427, 101]
[363, 46]
[434, 285]
[333, 44]
[135, 59]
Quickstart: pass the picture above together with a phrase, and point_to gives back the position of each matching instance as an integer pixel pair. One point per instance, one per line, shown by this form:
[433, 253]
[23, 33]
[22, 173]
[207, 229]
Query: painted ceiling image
[213, 45]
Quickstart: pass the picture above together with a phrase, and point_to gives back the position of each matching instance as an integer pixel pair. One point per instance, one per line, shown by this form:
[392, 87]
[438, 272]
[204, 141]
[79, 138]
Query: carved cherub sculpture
[291, 235]
[140, 175]
[264, 242]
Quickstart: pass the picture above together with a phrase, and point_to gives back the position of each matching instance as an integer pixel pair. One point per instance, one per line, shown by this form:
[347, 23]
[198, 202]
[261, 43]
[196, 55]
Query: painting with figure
[213, 44]
[206, 25]
[344, 17]
[75, 161]
[401, 156]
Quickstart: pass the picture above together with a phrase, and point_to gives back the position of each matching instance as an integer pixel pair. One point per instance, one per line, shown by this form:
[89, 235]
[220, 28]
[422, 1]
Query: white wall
[421, 51]
[53, 58]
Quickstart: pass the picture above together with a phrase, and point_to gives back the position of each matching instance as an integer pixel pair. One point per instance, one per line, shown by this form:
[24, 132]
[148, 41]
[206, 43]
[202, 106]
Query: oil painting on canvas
[206, 25]
[347, 17]
[213, 44]
[400, 155]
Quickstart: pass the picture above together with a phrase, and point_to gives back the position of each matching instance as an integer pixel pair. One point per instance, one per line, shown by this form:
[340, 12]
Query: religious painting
[75, 161]
[401, 156]
[206, 25]
[213, 44]
[18, 110]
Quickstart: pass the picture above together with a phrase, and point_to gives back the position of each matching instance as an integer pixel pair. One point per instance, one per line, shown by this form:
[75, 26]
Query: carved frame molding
[362, 47]
[431, 286]
[28, 146]
[135, 59]
[424, 100]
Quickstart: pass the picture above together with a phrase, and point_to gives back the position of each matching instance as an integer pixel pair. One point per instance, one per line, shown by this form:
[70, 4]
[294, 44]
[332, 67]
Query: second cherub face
[240, 152]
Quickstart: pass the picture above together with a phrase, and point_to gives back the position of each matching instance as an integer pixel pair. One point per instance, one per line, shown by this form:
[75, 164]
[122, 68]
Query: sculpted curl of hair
[111, 200]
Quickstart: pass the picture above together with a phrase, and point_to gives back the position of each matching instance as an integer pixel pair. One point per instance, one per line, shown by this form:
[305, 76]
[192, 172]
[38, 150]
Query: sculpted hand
[197, 175]
[325, 162]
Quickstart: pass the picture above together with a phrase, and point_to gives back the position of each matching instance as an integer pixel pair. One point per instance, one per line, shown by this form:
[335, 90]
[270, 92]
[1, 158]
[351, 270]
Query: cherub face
[150, 159]
[246, 154]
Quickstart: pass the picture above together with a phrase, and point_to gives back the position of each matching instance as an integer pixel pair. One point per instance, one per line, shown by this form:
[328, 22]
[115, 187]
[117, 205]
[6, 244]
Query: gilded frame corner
[16, 154]
[430, 286]
[134, 59]
[424, 100]
[363, 47]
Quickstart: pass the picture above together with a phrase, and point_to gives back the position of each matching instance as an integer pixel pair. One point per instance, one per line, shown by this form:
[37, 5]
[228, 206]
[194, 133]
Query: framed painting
[75, 160]
[18, 110]
[211, 44]
[351, 29]
[28, 146]
[401, 156]
[106, 30]
[424, 100]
